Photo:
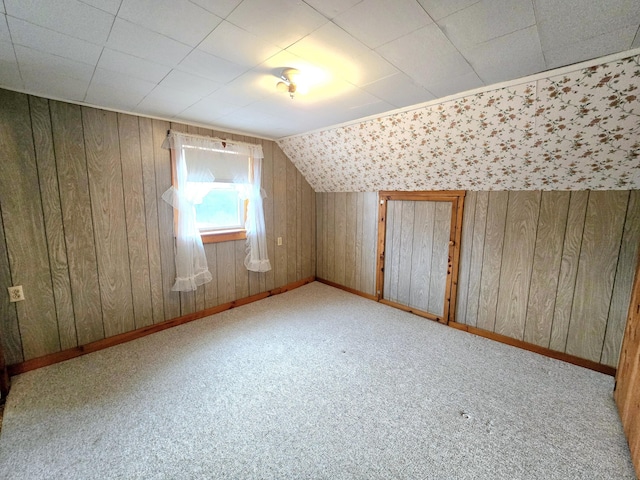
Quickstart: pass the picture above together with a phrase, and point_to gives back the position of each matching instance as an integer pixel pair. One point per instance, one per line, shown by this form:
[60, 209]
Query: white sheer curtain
[203, 159]
[257, 259]
[191, 263]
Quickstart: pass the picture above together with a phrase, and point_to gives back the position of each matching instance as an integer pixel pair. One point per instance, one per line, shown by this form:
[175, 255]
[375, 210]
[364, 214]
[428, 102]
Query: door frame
[456, 198]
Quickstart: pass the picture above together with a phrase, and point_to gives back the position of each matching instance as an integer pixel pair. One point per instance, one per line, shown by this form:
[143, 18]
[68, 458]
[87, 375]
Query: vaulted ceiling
[216, 62]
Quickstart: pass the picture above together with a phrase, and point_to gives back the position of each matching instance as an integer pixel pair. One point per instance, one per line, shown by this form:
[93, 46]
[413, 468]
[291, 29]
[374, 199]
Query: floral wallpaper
[576, 131]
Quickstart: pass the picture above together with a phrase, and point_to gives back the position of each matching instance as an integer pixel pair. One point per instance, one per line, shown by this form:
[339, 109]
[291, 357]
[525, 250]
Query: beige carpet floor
[315, 383]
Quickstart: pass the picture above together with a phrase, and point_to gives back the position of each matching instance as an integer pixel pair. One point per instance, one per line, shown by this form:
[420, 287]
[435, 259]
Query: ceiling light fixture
[289, 81]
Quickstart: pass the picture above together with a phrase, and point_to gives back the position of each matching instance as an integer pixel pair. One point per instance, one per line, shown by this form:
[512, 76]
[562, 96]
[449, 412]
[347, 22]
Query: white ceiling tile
[166, 102]
[132, 66]
[510, 56]
[439, 59]
[4, 30]
[569, 21]
[187, 82]
[70, 17]
[207, 109]
[122, 82]
[9, 73]
[244, 90]
[376, 22]
[133, 39]
[280, 22]
[589, 48]
[221, 8]
[334, 50]
[109, 97]
[332, 8]
[35, 62]
[399, 90]
[237, 45]
[110, 6]
[636, 40]
[438, 9]
[53, 85]
[2, 7]
[209, 66]
[181, 20]
[486, 20]
[455, 84]
[45, 40]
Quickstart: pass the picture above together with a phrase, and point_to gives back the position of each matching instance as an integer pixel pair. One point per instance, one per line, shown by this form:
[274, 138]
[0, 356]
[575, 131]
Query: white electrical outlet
[279, 241]
[15, 293]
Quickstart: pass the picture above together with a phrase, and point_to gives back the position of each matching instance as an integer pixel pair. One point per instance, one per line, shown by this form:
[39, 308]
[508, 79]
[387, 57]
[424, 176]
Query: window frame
[210, 236]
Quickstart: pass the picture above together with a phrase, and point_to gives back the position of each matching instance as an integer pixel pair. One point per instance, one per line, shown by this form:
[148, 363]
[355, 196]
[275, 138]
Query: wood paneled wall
[347, 235]
[86, 233]
[416, 254]
[554, 269]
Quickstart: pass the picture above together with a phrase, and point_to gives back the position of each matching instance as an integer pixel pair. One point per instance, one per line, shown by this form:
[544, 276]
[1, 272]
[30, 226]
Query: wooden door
[418, 251]
[627, 393]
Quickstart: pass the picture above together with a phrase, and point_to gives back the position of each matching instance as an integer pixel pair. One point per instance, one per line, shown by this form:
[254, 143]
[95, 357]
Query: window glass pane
[220, 208]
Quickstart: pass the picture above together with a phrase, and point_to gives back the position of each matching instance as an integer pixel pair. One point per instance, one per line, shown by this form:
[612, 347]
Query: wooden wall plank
[340, 238]
[568, 270]
[131, 164]
[331, 237]
[492, 259]
[290, 244]
[107, 206]
[268, 206]
[389, 222]
[515, 276]
[370, 241]
[439, 257]
[477, 254]
[162, 159]
[54, 230]
[241, 289]
[313, 264]
[308, 229]
[350, 241]
[10, 338]
[280, 215]
[358, 240]
[623, 283]
[466, 247]
[151, 217]
[23, 219]
[603, 228]
[393, 245]
[405, 252]
[211, 288]
[68, 137]
[320, 232]
[554, 208]
[226, 271]
[299, 223]
[422, 246]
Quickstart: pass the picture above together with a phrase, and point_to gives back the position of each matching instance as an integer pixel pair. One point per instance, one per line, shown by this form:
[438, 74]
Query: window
[216, 184]
[216, 196]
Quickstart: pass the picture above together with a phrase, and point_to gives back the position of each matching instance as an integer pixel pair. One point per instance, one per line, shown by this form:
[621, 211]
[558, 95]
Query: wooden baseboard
[347, 289]
[57, 357]
[547, 352]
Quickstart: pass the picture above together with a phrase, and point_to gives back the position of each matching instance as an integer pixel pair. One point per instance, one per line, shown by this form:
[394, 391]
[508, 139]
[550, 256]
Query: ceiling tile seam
[98, 8]
[13, 47]
[637, 35]
[95, 67]
[536, 16]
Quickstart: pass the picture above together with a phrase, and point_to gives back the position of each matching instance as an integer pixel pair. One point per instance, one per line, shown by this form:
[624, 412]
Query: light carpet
[315, 383]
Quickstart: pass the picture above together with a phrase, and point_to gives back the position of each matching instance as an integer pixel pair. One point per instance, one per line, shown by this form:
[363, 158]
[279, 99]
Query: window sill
[224, 236]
